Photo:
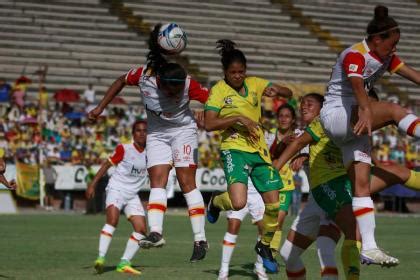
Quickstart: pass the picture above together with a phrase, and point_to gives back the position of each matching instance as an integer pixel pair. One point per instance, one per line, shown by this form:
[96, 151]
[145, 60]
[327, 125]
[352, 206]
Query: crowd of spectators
[38, 126]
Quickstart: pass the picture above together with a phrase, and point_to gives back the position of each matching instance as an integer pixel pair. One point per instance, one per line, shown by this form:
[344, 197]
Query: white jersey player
[166, 91]
[348, 116]
[121, 194]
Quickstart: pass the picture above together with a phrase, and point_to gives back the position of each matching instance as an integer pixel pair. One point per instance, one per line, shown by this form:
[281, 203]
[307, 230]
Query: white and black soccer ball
[172, 39]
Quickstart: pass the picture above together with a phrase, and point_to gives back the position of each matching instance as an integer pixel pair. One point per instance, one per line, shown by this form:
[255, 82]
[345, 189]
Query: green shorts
[285, 200]
[333, 195]
[239, 165]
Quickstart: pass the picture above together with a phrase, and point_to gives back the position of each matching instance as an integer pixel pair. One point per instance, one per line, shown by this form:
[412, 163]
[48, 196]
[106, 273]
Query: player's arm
[274, 90]
[292, 149]
[112, 91]
[10, 185]
[409, 73]
[90, 191]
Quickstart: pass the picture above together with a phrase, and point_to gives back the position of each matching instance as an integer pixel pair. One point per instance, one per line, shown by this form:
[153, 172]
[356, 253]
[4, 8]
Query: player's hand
[199, 118]
[90, 192]
[252, 128]
[94, 114]
[364, 122]
[12, 185]
[297, 162]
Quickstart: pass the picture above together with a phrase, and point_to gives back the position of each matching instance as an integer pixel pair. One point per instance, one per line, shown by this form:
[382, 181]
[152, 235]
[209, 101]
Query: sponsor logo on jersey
[228, 101]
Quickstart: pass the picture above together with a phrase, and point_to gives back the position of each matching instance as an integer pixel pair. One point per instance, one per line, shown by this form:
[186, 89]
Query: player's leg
[159, 157]
[113, 206]
[229, 240]
[285, 200]
[256, 209]
[301, 235]
[384, 175]
[326, 241]
[135, 214]
[385, 113]
[268, 182]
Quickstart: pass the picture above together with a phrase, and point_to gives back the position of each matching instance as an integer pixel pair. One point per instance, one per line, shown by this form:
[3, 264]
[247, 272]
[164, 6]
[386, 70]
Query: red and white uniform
[171, 127]
[129, 176]
[356, 61]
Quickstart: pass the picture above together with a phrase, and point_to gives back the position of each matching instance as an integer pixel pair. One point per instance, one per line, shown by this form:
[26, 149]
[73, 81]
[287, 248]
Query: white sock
[410, 124]
[105, 239]
[295, 269]
[132, 246]
[229, 242]
[156, 209]
[326, 254]
[196, 212]
[364, 212]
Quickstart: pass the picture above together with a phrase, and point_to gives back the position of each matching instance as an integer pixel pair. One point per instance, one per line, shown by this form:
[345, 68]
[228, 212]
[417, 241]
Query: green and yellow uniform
[330, 185]
[241, 157]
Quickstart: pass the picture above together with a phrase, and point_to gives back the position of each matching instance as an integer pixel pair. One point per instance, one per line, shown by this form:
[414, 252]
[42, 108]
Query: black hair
[169, 73]
[318, 97]
[373, 94]
[382, 24]
[136, 123]
[229, 53]
[288, 107]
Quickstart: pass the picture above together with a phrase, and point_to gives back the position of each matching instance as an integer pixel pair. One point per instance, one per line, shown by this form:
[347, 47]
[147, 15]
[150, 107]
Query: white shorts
[178, 148]
[131, 204]
[336, 121]
[310, 218]
[255, 207]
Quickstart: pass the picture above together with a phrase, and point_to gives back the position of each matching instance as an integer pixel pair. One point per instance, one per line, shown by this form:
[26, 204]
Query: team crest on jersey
[228, 101]
[353, 67]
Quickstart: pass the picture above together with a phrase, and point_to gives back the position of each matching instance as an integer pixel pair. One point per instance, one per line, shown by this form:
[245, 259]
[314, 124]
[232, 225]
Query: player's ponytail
[229, 53]
[155, 59]
[382, 24]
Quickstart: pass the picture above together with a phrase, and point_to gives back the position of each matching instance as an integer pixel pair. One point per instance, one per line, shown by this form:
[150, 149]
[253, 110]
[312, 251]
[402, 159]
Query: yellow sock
[270, 222]
[222, 201]
[350, 256]
[413, 181]
[275, 243]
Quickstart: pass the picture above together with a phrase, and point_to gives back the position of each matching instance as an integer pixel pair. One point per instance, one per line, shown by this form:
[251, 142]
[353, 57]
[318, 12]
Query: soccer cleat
[223, 275]
[267, 258]
[154, 239]
[125, 267]
[212, 211]
[199, 251]
[260, 271]
[99, 265]
[379, 257]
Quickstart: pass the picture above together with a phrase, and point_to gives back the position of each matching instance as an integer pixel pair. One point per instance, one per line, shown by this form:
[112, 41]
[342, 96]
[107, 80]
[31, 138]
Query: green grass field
[65, 246]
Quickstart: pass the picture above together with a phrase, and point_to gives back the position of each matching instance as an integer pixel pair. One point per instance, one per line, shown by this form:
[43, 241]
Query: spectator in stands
[50, 176]
[89, 95]
[5, 90]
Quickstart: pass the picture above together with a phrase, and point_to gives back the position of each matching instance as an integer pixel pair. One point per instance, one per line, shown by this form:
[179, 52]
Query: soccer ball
[172, 39]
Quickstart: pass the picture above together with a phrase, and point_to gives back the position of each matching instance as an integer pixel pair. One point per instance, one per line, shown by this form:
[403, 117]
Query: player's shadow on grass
[245, 271]
[6, 277]
[110, 268]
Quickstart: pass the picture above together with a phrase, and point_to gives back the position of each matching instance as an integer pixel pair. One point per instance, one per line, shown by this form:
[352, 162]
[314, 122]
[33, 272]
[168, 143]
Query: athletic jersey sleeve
[132, 77]
[395, 64]
[197, 92]
[261, 85]
[117, 156]
[215, 100]
[315, 130]
[353, 64]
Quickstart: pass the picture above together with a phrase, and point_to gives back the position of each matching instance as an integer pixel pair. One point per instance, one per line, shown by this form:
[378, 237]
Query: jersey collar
[138, 148]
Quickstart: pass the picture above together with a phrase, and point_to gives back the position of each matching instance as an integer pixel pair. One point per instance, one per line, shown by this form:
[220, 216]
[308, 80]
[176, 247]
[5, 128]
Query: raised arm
[112, 91]
[277, 90]
[409, 73]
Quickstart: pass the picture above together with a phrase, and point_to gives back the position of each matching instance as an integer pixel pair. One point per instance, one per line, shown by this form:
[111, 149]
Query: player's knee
[238, 204]
[290, 254]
